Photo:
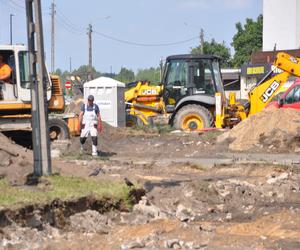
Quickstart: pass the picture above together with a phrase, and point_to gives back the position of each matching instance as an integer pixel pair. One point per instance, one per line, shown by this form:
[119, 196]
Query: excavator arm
[262, 94]
[264, 91]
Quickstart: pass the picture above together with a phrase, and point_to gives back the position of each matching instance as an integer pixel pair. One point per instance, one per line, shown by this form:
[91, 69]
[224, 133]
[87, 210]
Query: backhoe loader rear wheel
[58, 130]
[193, 117]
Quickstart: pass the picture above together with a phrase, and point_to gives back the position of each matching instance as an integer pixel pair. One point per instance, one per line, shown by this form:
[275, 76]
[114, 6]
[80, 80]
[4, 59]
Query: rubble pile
[74, 106]
[270, 128]
[16, 161]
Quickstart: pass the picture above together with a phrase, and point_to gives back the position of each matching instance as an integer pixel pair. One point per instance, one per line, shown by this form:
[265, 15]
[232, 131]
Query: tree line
[248, 39]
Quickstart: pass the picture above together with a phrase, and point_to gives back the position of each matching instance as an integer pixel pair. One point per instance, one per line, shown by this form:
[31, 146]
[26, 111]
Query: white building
[281, 24]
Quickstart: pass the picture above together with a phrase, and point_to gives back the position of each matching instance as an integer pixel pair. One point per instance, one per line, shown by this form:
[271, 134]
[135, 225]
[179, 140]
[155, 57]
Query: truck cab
[15, 91]
[15, 96]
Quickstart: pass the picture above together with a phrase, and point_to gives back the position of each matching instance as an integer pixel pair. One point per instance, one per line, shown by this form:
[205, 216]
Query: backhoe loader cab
[190, 83]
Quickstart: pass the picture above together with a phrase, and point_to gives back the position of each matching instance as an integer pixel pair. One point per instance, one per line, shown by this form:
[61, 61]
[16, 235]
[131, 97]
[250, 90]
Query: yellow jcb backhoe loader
[262, 93]
[192, 93]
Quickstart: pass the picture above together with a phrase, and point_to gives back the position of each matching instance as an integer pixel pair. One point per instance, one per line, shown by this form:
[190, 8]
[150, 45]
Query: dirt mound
[107, 138]
[274, 128]
[74, 106]
[16, 161]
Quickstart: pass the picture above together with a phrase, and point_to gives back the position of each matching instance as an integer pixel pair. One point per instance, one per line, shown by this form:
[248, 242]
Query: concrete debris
[173, 243]
[146, 209]
[35, 221]
[55, 153]
[89, 221]
[183, 213]
[133, 245]
[281, 177]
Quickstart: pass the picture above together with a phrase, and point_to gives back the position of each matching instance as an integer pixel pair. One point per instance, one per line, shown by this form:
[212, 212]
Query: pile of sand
[16, 162]
[74, 106]
[275, 128]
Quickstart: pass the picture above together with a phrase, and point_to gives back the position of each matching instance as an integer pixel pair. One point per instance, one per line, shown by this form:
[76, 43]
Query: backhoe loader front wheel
[58, 130]
[193, 117]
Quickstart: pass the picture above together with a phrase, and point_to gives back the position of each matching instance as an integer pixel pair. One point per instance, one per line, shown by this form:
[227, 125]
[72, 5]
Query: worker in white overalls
[90, 123]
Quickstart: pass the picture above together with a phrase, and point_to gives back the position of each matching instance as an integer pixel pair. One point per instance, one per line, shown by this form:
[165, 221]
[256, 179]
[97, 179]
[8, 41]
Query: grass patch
[60, 187]
[83, 156]
[197, 167]
[163, 129]
[210, 135]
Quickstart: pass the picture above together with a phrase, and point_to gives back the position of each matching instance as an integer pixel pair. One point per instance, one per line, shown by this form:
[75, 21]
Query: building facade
[281, 25]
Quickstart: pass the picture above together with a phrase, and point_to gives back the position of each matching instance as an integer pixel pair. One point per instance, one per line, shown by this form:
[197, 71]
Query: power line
[17, 4]
[60, 13]
[68, 26]
[71, 26]
[13, 7]
[144, 44]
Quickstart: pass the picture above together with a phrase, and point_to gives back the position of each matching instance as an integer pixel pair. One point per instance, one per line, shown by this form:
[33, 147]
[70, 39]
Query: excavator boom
[264, 91]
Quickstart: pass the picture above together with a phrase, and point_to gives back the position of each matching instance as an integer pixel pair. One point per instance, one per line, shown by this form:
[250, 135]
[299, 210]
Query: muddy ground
[199, 195]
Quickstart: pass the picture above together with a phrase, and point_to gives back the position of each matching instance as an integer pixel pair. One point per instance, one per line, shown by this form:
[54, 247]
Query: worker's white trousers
[89, 130]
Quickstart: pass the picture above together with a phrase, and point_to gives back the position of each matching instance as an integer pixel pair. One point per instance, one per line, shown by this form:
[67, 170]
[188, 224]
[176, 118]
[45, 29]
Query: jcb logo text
[270, 91]
[149, 92]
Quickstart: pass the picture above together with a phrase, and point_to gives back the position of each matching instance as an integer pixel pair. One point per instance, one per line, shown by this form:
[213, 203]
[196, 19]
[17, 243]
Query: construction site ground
[199, 194]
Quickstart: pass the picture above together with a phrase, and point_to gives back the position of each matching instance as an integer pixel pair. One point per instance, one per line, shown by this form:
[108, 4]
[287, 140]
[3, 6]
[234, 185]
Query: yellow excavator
[192, 94]
[15, 104]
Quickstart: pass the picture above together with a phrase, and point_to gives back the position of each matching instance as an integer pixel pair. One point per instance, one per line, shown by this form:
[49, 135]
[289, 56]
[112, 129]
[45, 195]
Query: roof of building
[192, 56]
[104, 82]
[270, 56]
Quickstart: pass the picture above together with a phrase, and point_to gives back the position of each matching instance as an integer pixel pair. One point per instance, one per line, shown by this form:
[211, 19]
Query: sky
[134, 34]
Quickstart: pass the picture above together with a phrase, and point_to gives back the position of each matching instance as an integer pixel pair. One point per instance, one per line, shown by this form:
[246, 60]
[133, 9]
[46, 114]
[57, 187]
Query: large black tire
[192, 117]
[58, 130]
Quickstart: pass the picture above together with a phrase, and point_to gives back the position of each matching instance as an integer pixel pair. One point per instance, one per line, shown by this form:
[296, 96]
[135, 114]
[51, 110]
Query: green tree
[83, 72]
[215, 48]
[152, 74]
[247, 40]
[125, 75]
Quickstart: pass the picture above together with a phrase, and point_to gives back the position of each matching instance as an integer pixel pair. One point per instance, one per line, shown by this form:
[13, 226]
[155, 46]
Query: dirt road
[199, 195]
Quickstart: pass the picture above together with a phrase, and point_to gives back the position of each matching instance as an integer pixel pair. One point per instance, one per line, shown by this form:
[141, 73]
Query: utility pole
[201, 41]
[38, 76]
[90, 69]
[161, 67]
[11, 27]
[70, 64]
[53, 12]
